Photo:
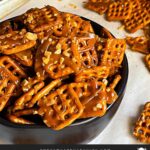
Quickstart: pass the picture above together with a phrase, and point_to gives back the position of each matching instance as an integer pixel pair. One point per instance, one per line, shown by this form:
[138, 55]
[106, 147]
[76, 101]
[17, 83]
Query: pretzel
[115, 81]
[6, 88]
[147, 60]
[119, 10]
[17, 41]
[13, 69]
[99, 6]
[5, 27]
[97, 107]
[72, 25]
[97, 72]
[111, 95]
[24, 57]
[113, 54]
[62, 108]
[87, 51]
[137, 20]
[140, 44]
[61, 58]
[22, 102]
[18, 120]
[145, 4]
[45, 91]
[142, 130]
[38, 20]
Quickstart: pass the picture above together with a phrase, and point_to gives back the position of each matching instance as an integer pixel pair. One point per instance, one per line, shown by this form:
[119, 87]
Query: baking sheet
[119, 131]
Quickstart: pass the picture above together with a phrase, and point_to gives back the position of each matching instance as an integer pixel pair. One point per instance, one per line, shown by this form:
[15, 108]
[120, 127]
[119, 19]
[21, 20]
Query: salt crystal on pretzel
[62, 108]
[22, 102]
[99, 6]
[137, 20]
[139, 44]
[142, 130]
[97, 72]
[14, 71]
[18, 120]
[119, 10]
[38, 20]
[24, 57]
[113, 54]
[17, 41]
[147, 60]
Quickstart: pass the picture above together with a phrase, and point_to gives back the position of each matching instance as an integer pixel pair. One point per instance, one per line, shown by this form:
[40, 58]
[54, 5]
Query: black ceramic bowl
[80, 132]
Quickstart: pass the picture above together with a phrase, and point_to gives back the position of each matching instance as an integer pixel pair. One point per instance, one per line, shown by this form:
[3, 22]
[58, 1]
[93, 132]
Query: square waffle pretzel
[113, 54]
[29, 92]
[14, 71]
[62, 108]
[137, 20]
[6, 87]
[72, 25]
[17, 41]
[61, 56]
[119, 10]
[147, 61]
[87, 51]
[99, 6]
[142, 130]
[24, 57]
[97, 72]
[140, 44]
[38, 20]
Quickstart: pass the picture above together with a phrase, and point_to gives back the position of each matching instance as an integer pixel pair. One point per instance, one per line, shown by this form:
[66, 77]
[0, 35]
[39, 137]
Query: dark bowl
[80, 132]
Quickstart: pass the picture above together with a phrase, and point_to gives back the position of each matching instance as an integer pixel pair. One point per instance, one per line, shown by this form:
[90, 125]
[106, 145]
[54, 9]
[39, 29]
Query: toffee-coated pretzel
[97, 72]
[119, 10]
[6, 88]
[17, 41]
[14, 71]
[62, 108]
[61, 56]
[18, 120]
[24, 57]
[99, 6]
[45, 18]
[115, 81]
[97, 107]
[137, 20]
[22, 102]
[45, 91]
[113, 54]
[72, 25]
[5, 27]
[142, 130]
[140, 44]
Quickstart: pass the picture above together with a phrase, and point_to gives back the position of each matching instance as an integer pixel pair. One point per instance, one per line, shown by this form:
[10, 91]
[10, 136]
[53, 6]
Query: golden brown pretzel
[140, 44]
[97, 72]
[116, 80]
[14, 71]
[119, 10]
[142, 130]
[62, 108]
[24, 57]
[18, 120]
[113, 54]
[17, 41]
[45, 18]
[22, 102]
[99, 6]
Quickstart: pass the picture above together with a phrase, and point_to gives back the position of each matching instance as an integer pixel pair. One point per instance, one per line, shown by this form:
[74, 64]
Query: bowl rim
[123, 82]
